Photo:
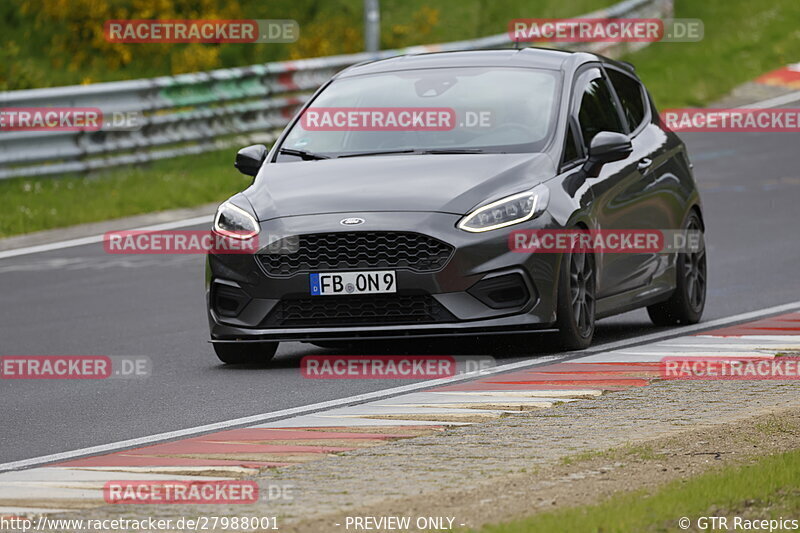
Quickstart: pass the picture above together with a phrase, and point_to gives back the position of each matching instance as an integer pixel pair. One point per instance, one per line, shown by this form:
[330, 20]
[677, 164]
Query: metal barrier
[195, 113]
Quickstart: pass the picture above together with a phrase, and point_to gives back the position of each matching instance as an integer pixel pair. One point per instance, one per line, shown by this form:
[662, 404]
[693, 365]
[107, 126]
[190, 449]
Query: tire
[237, 353]
[575, 310]
[687, 302]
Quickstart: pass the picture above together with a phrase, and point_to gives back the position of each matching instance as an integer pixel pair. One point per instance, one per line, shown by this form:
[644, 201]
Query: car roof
[545, 58]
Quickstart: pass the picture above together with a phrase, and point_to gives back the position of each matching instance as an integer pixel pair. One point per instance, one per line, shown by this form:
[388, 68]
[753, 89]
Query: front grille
[358, 310]
[357, 251]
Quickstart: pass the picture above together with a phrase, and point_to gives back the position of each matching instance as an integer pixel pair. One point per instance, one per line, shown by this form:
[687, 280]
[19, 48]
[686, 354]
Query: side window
[570, 148]
[631, 95]
[598, 111]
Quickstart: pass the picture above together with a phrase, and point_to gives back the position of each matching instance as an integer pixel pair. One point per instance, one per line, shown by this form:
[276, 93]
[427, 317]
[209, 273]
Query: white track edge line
[253, 419]
[773, 102]
[306, 409]
[92, 239]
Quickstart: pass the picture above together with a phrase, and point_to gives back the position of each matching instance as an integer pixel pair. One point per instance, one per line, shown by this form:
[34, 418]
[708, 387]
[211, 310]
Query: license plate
[337, 283]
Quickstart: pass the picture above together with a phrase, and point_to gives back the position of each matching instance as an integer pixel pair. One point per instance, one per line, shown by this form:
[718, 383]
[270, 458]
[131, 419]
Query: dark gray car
[392, 232]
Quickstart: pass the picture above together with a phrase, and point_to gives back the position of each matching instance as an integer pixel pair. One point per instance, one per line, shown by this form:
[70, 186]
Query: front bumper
[452, 296]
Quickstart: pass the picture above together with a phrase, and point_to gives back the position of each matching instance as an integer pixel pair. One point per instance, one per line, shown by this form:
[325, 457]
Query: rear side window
[598, 111]
[632, 97]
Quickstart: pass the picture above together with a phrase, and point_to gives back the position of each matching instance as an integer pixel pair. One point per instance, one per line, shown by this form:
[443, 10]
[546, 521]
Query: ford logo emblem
[351, 221]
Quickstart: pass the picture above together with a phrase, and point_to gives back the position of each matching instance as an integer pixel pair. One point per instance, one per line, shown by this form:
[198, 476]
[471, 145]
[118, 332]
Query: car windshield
[453, 109]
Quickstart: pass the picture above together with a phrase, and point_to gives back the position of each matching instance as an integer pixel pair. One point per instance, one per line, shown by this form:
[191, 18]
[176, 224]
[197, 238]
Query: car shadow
[500, 347]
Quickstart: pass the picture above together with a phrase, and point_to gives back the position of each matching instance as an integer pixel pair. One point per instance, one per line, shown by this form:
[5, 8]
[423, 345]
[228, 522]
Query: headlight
[235, 222]
[510, 210]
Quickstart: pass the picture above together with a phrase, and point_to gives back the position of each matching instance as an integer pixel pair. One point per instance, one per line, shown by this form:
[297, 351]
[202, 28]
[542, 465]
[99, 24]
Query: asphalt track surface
[81, 301]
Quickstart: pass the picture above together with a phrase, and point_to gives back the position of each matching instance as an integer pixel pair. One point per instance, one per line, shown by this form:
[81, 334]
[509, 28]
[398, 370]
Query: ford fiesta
[390, 228]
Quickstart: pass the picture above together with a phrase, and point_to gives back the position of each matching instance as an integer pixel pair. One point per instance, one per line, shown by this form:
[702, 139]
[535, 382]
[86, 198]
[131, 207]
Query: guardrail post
[372, 25]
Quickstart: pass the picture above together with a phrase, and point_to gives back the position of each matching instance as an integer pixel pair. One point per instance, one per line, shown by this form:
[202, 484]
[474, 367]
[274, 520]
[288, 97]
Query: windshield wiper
[419, 151]
[452, 151]
[380, 152]
[307, 156]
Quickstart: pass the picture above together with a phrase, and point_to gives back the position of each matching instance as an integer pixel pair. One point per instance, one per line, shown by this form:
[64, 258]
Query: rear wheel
[686, 304]
[576, 301]
[237, 353]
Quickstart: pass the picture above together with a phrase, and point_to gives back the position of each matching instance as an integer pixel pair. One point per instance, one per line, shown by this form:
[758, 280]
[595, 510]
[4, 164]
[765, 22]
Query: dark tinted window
[630, 94]
[520, 103]
[597, 112]
[570, 148]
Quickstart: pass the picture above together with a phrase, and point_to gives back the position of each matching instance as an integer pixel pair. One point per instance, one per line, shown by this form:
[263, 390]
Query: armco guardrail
[194, 113]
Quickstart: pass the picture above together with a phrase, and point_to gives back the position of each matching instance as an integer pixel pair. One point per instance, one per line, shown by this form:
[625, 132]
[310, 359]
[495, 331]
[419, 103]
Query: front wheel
[686, 304]
[576, 301]
[237, 353]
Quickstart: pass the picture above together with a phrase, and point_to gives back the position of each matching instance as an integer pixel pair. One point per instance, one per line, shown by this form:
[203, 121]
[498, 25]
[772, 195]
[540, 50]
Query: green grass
[742, 40]
[41, 203]
[765, 488]
[48, 43]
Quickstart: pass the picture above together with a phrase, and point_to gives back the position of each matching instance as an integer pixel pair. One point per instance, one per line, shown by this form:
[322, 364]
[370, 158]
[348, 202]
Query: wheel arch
[699, 212]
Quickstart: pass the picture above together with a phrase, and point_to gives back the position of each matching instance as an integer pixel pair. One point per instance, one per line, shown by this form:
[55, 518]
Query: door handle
[644, 163]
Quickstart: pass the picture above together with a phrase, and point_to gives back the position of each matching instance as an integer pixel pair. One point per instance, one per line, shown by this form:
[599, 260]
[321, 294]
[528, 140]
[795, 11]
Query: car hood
[447, 183]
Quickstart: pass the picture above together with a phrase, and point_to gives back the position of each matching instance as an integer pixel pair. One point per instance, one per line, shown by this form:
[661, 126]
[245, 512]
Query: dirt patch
[590, 477]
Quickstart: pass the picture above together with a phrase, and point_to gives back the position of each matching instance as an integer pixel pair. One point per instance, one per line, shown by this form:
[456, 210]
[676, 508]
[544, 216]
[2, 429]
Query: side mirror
[607, 147]
[249, 159]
